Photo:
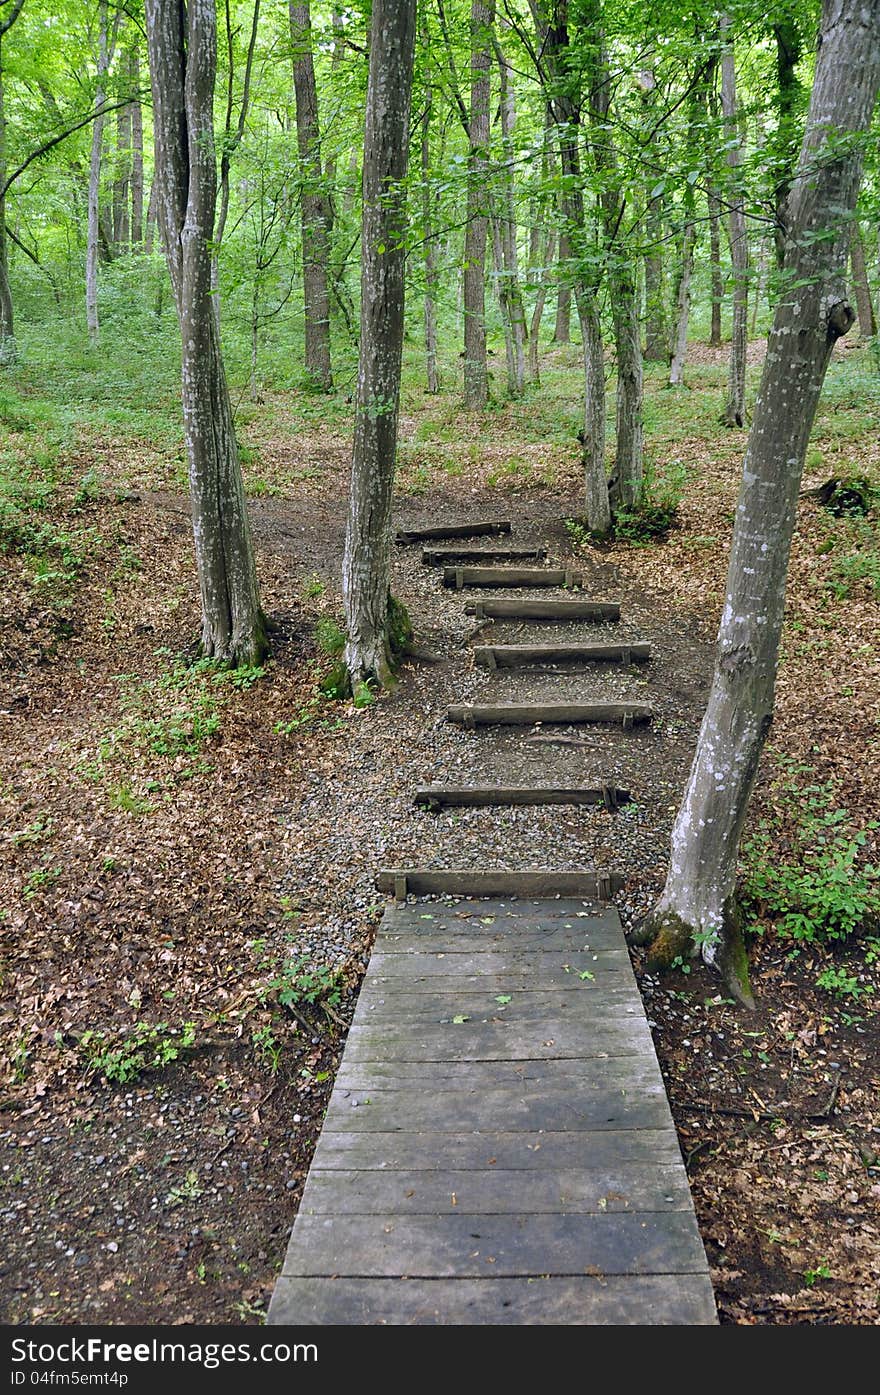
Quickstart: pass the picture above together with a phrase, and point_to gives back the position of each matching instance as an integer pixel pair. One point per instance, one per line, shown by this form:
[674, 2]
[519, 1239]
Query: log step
[505, 608]
[416, 881]
[528, 713]
[437, 556]
[436, 797]
[494, 526]
[510, 576]
[528, 655]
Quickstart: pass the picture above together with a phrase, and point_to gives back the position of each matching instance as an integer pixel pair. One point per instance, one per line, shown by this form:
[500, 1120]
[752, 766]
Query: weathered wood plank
[528, 608]
[453, 530]
[436, 797]
[459, 577]
[436, 881]
[543, 968]
[490, 1149]
[453, 1246]
[587, 1190]
[435, 1009]
[476, 556]
[534, 655]
[487, 1041]
[492, 1075]
[560, 713]
[574, 1106]
[583, 1301]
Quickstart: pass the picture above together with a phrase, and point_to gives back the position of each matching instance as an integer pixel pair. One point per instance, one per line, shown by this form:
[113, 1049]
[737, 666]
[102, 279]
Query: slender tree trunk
[370, 612]
[430, 244]
[8, 348]
[717, 291]
[549, 243]
[697, 911]
[597, 502]
[735, 408]
[783, 147]
[476, 371]
[682, 307]
[513, 301]
[314, 201]
[122, 182]
[137, 153]
[562, 327]
[93, 233]
[867, 322]
[656, 328]
[182, 49]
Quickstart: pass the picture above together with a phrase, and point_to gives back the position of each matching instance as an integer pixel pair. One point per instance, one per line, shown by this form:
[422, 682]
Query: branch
[6, 24]
[56, 140]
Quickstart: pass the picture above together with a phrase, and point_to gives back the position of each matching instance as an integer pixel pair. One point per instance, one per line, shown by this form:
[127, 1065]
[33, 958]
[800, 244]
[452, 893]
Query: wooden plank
[578, 1110]
[533, 655]
[496, 1148]
[429, 881]
[643, 1300]
[584, 1002]
[458, 577]
[436, 797]
[434, 938]
[541, 968]
[450, 1246]
[561, 713]
[541, 1041]
[476, 556]
[485, 1075]
[526, 608]
[453, 530]
[586, 1190]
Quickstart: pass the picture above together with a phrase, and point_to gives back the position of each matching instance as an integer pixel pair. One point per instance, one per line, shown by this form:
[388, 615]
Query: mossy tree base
[671, 939]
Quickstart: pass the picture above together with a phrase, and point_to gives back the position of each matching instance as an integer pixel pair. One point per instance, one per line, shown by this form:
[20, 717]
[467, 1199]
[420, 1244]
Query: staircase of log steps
[498, 1147]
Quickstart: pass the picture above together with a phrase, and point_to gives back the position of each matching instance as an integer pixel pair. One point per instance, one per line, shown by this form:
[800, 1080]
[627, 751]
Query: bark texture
[476, 372]
[314, 201]
[509, 286]
[867, 320]
[735, 407]
[182, 51]
[370, 613]
[432, 374]
[697, 908]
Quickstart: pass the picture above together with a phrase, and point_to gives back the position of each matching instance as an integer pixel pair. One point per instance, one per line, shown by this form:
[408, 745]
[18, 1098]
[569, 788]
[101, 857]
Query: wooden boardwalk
[498, 1148]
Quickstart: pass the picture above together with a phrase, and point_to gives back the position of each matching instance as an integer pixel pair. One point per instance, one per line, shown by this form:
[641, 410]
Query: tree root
[672, 941]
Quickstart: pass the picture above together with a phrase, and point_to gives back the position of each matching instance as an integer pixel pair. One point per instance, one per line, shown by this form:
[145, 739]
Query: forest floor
[188, 857]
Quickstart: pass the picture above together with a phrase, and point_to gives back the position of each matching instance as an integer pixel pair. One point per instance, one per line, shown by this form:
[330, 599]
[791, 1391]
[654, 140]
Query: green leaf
[503, 999]
[459, 1018]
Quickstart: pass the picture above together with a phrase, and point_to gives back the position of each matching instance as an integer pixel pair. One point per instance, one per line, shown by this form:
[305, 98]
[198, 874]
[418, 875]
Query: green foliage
[814, 886]
[328, 636]
[148, 1047]
[658, 511]
[836, 980]
[301, 982]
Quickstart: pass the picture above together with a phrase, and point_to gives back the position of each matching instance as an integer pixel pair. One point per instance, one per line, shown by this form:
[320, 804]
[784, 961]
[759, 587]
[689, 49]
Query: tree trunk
[476, 372]
[564, 99]
[783, 149]
[369, 610]
[512, 292]
[137, 153]
[549, 244]
[656, 328]
[562, 327]
[697, 910]
[867, 322]
[430, 243]
[93, 234]
[314, 202]
[122, 181]
[182, 51]
[8, 348]
[682, 308]
[717, 292]
[735, 408]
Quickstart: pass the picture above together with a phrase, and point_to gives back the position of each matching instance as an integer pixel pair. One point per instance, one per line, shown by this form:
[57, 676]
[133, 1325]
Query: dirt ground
[165, 887]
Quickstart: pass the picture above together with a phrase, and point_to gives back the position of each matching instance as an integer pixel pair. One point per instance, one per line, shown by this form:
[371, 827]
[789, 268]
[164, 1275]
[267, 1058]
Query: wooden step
[453, 530]
[527, 713]
[529, 655]
[436, 797]
[506, 608]
[534, 882]
[441, 556]
[510, 576]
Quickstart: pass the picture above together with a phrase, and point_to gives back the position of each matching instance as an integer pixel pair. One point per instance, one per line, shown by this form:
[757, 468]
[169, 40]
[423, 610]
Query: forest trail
[498, 1147]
